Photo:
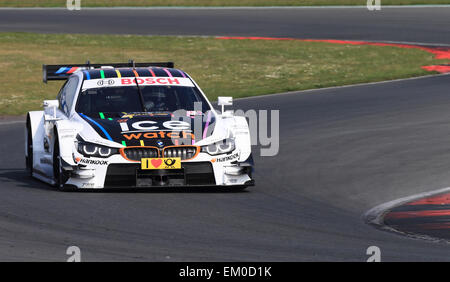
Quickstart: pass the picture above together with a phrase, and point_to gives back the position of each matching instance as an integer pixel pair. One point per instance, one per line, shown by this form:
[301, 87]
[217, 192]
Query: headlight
[94, 150]
[221, 147]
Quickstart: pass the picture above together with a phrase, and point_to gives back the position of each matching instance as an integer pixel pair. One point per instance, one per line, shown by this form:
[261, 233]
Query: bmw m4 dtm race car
[135, 125]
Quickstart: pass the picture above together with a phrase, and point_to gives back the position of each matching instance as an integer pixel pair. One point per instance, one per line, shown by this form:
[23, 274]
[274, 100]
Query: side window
[67, 94]
[60, 95]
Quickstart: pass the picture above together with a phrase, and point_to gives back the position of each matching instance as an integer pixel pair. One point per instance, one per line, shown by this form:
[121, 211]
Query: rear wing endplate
[62, 72]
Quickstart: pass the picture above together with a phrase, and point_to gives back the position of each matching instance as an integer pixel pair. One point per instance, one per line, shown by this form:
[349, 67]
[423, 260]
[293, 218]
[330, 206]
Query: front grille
[183, 152]
[137, 153]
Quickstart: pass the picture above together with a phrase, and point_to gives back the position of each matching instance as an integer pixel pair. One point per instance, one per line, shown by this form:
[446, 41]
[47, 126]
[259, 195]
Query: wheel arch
[242, 135]
[66, 133]
[35, 119]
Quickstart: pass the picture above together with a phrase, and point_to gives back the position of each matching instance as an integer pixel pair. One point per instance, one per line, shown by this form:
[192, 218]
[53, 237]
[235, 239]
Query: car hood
[144, 129]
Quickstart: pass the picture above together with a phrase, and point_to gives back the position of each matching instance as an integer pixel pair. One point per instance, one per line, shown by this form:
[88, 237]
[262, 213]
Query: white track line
[345, 86]
[11, 122]
[399, 42]
[300, 39]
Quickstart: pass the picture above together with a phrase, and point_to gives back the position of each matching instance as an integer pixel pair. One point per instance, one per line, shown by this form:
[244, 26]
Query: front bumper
[130, 175]
[191, 174]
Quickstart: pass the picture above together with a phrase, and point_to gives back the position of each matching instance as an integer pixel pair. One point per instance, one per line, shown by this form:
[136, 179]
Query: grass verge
[237, 68]
[138, 3]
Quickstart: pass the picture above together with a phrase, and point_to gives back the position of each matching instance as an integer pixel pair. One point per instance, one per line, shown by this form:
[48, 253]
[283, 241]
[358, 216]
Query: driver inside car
[156, 101]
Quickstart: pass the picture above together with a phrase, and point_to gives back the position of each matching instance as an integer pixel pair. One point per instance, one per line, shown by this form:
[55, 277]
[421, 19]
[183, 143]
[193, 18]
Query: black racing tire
[60, 176]
[29, 148]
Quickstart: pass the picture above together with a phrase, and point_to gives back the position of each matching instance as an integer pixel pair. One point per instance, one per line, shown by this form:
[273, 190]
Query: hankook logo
[93, 162]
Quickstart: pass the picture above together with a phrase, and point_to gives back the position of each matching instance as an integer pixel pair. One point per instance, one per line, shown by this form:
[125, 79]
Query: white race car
[133, 125]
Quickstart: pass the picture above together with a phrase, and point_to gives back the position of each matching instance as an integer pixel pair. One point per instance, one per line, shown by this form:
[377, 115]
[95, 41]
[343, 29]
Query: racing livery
[135, 125]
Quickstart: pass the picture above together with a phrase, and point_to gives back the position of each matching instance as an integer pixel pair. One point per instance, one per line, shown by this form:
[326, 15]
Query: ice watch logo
[149, 125]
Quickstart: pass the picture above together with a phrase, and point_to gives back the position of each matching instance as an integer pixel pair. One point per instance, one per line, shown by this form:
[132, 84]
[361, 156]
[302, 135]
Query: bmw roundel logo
[160, 143]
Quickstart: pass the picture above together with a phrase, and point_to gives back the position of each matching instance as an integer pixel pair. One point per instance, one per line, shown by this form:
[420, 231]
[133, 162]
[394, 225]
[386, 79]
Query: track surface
[342, 152]
[427, 25]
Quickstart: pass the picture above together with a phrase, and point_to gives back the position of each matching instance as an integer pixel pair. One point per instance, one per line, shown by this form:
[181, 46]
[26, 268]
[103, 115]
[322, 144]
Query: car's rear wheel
[60, 176]
[29, 148]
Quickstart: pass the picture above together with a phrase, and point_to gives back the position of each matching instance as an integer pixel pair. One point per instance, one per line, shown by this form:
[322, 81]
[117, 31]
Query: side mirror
[224, 101]
[50, 107]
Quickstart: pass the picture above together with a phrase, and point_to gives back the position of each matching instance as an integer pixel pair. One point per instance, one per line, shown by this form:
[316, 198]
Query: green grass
[236, 68]
[115, 3]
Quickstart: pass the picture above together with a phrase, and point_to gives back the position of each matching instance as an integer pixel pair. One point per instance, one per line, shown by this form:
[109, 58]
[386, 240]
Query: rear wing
[62, 72]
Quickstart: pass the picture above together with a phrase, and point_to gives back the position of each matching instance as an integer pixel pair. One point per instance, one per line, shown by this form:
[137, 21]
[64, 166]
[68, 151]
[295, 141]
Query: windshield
[126, 99]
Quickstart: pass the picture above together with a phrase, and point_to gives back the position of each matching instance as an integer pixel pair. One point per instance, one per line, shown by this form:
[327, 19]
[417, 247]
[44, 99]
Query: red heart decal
[156, 163]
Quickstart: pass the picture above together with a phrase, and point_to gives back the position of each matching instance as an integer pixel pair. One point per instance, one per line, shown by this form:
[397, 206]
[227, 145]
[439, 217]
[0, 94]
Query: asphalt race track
[425, 25]
[342, 152]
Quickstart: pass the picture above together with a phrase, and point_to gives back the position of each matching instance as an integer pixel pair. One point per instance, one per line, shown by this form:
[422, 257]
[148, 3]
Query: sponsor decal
[148, 129]
[93, 162]
[151, 80]
[160, 134]
[66, 136]
[144, 81]
[149, 125]
[88, 185]
[105, 82]
[227, 158]
[161, 163]
[46, 161]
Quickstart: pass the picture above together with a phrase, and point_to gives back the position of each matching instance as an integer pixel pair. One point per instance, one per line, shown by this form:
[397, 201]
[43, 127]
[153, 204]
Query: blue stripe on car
[88, 76]
[97, 124]
[60, 70]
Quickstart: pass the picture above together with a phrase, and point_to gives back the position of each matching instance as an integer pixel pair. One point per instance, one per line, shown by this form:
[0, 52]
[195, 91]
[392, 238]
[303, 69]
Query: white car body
[57, 133]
